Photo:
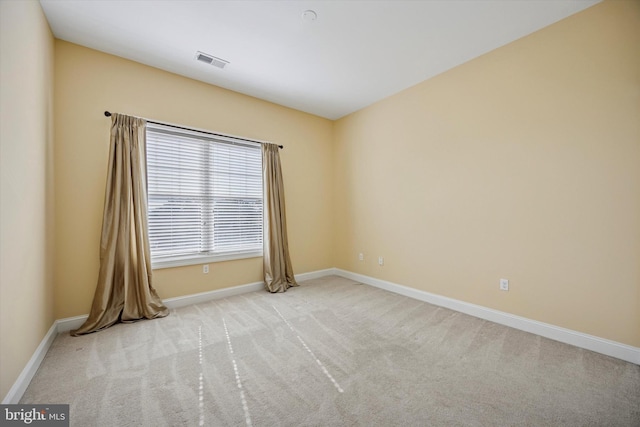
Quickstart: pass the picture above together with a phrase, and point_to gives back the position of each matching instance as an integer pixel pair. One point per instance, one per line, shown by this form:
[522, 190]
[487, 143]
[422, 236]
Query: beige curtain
[278, 272]
[124, 292]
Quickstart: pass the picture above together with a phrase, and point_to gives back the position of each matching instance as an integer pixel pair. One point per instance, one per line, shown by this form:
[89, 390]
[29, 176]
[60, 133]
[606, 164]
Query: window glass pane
[205, 195]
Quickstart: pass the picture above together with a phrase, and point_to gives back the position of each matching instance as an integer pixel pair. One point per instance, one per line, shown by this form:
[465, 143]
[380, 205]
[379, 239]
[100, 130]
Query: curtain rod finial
[107, 114]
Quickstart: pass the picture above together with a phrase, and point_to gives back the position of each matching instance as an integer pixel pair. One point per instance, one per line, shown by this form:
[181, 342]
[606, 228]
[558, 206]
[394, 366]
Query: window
[204, 197]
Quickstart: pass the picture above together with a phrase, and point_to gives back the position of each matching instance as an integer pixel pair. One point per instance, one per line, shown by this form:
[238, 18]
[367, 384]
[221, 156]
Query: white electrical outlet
[205, 268]
[504, 284]
[361, 256]
[380, 260]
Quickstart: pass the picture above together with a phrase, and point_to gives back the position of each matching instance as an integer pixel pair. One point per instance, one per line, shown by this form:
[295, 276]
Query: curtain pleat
[278, 271]
[124, 292]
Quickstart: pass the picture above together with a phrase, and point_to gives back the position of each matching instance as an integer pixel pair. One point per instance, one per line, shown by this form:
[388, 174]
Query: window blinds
[204, 196]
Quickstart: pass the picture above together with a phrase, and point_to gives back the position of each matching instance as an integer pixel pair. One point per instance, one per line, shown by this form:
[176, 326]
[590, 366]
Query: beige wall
[26, 190]
[89, 82]
[521, 164]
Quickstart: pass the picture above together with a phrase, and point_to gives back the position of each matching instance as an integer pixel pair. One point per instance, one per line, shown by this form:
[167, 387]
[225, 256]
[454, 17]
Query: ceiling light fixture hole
[309, 15]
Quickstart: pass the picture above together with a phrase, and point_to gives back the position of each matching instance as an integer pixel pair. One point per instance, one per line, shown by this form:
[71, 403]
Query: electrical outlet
[504, 285]
[380, 260]
[360, 256]
[205, 268]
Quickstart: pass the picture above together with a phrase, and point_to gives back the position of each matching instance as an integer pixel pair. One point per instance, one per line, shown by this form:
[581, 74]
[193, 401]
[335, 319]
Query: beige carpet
[331, 353]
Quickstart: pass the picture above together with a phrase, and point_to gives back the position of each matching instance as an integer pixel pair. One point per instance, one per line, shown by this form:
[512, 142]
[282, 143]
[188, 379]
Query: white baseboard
[210, 295]
[69, 323]
[316, 274]
[17, 390]
[183, 301]
[568, 336]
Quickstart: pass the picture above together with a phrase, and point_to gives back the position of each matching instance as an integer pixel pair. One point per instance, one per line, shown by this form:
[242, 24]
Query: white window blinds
[204, 197]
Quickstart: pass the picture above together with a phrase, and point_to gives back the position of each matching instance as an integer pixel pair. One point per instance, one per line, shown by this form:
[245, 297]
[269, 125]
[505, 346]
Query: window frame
[195, 259]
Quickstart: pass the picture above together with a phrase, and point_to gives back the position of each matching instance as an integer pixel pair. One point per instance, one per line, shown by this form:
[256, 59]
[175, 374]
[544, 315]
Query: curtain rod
[108, 114]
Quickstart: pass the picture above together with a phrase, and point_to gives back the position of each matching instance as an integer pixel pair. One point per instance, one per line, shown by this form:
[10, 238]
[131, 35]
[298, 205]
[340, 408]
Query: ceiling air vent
[211, 60]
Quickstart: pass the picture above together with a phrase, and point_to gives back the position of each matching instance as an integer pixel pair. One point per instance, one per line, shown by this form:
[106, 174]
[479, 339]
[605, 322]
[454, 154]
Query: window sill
[181, 262]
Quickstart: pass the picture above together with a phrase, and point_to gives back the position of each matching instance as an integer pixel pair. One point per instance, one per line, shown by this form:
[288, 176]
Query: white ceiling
[354, 54]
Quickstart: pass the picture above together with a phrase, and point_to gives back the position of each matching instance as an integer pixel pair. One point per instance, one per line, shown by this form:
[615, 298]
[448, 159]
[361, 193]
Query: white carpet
[330, 353]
